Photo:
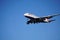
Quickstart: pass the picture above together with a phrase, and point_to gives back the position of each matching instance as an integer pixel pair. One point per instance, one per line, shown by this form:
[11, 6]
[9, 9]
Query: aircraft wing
[50, 16]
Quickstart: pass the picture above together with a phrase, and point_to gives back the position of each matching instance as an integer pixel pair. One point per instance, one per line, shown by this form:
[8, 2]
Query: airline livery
[35, 19]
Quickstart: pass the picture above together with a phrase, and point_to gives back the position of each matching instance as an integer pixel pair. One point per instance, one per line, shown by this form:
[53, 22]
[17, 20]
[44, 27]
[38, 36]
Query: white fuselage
[30, 15]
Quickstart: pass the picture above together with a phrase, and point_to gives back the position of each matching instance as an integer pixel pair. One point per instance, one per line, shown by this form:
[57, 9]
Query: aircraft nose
[26, 14]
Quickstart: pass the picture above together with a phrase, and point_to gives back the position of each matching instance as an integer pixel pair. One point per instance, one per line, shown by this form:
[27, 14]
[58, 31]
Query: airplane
[35, 19]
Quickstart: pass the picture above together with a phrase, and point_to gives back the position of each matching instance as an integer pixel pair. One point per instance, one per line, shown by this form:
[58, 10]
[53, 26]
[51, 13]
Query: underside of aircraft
[35, 19]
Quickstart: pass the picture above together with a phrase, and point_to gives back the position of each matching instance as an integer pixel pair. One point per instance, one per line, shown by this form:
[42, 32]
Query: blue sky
[13, 23]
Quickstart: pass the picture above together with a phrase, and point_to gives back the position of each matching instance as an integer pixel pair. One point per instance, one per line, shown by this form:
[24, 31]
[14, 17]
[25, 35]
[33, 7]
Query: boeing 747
[35, 19]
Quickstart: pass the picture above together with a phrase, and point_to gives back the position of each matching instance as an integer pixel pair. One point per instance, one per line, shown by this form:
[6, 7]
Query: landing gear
[28, 22]
[33, 21]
